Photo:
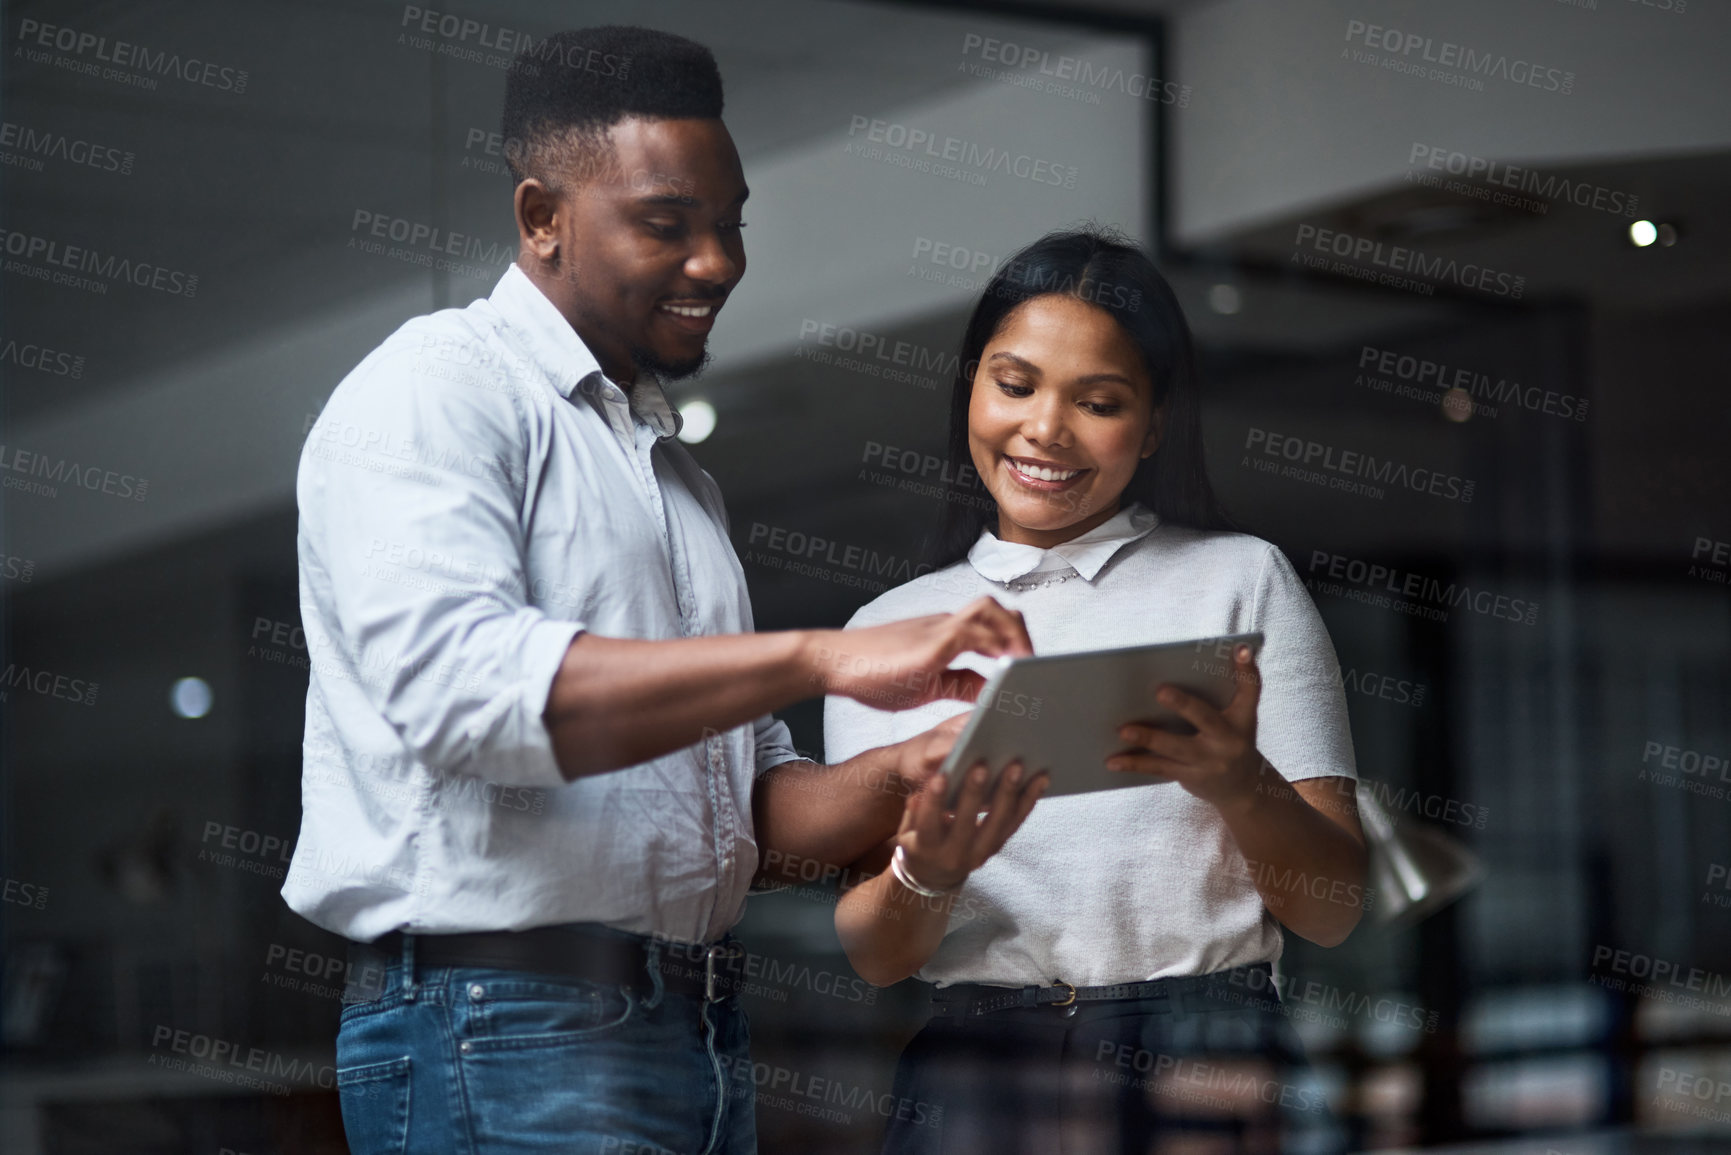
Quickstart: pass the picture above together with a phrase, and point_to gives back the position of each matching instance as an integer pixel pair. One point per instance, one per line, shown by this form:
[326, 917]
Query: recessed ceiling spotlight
[190, 697]
[1457, 405]
[698, 421]
[1645, 233]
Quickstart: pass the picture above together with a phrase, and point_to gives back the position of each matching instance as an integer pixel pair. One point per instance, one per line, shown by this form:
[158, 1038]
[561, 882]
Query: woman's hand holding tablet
[938, 846]
[1219, 761]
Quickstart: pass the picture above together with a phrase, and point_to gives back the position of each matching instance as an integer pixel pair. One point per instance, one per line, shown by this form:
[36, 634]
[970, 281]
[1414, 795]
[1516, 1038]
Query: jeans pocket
[363, 1008]
[511, 1014]
[375, 1103]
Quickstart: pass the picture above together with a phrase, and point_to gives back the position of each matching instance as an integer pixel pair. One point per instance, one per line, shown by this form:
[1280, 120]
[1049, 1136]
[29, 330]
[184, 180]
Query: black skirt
[1209, 1063]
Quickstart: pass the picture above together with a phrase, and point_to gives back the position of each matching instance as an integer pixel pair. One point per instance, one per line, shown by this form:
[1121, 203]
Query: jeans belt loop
[726, 950]
[709, 972]
[652, 961]
[409, 984]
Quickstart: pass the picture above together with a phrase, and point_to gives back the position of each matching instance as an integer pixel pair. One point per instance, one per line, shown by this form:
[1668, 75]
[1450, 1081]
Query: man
[539, 758]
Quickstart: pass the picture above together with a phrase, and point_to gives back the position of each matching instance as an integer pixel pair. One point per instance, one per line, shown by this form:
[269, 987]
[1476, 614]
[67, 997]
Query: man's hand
[906, 664]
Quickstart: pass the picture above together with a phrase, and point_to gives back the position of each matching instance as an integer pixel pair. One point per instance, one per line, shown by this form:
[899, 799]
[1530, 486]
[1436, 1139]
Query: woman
[1103, 976]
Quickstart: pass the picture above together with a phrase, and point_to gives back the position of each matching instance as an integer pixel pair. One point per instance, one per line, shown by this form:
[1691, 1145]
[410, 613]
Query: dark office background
[1576, 751]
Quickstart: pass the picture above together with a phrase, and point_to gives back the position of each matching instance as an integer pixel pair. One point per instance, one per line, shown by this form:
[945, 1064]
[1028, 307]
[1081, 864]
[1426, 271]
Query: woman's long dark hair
[1101, 267]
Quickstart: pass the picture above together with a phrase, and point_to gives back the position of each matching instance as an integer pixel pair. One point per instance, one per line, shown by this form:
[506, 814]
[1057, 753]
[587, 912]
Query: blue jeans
[480, 1061]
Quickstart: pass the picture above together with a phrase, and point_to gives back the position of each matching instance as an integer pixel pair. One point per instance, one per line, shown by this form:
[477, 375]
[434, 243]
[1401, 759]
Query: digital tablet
[1061, 712]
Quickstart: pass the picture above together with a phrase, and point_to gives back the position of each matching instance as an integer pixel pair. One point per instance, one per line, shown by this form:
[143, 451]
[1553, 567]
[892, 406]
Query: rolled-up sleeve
[412, 490]
[773, 743]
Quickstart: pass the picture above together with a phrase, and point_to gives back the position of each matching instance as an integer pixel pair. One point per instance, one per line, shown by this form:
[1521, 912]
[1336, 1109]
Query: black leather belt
[967, 1000]
[704, 970]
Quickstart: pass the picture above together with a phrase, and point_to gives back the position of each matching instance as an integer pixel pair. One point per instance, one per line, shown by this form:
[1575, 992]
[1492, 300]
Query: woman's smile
[1043, 476]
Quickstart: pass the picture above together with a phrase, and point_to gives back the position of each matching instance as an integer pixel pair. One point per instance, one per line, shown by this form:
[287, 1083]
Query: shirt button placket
[715, 759]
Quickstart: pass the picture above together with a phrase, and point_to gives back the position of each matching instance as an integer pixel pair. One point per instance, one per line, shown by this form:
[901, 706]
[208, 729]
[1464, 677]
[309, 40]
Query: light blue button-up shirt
[474, 494]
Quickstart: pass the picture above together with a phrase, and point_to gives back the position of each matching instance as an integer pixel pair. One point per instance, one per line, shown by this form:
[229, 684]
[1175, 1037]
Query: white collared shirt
[474, 494]
[1005, 561]
[1147, 881]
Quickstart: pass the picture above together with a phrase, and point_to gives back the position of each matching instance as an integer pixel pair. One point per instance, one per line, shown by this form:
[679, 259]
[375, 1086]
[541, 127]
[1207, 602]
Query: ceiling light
[1457, 404]
[698, 421]
[190, 697]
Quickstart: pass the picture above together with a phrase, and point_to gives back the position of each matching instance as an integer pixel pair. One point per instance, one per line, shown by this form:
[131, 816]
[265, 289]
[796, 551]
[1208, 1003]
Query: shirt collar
[1003, 561]
[557, 349]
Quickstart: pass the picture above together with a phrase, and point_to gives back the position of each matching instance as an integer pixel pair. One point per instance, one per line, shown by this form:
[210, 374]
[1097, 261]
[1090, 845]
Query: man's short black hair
[563, 93]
